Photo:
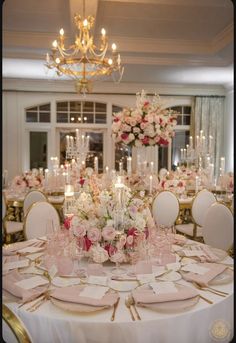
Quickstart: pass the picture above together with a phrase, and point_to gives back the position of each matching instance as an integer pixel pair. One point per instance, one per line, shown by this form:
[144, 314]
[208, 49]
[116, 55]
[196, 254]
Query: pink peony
[94, 234]
[79, 231]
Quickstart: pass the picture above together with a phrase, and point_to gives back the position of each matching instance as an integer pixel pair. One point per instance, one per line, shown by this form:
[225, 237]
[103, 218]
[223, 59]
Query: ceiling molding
[225, 37]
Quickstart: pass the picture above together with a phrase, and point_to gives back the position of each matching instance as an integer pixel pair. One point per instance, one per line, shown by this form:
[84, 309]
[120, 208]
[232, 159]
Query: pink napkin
[179, 239]
[71, 294]
[207, 255]
[203, 280]
[12, 249]
[147, 296]
[95, 269]
[8, 283]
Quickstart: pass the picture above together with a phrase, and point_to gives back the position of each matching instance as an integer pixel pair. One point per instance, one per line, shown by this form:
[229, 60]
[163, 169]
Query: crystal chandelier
[83, 61]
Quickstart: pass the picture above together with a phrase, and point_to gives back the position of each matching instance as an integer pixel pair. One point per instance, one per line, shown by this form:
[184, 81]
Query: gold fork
[132, 303]
[209, 290]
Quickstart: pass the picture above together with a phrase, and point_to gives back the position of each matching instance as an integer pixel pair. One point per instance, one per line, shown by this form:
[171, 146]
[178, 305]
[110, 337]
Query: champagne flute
[80, 247]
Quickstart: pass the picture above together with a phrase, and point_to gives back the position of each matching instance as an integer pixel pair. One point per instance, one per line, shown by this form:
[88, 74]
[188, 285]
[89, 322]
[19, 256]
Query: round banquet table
[49, 324]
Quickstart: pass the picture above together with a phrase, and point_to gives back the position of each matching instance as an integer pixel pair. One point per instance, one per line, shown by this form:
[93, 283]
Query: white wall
[229, 131]
[19, 94]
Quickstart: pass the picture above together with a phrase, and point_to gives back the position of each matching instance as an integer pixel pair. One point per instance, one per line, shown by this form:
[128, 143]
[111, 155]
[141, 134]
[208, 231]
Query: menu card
[97, 280]
[94, 292]
[195, 268]
[32, 282]
[163, 287]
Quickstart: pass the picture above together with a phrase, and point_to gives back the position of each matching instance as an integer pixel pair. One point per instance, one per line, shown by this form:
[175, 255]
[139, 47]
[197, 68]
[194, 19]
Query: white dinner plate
[122, 286]
[65, 282]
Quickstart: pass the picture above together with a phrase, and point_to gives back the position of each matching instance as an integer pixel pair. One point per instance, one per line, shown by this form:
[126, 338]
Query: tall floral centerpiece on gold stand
[147, 125]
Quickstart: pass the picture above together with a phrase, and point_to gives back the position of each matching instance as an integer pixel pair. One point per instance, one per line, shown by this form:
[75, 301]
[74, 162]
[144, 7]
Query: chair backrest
[37, 217]
[202, 201]
[3, 204]
[32, 197]
[218, 227]
[162, 172]
[165, 208]
[13, 330]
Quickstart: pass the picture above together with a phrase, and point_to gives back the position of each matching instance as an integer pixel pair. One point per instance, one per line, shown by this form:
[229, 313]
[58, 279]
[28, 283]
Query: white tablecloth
[49, 324]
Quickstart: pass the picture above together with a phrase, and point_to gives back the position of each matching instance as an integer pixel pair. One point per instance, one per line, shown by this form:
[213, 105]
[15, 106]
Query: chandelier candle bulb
[103, 32]
[107, 169]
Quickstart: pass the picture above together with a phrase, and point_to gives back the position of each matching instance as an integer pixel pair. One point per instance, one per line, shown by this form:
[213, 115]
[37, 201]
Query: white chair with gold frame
[218, 227]
[32, 197]
[37, 217]
[165, 208]
[10, 227]
[13, 329]
[200, 204]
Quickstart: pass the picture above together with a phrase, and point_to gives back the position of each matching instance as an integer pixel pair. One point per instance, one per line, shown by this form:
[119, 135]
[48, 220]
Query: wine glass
[116, 256]
[80, 248]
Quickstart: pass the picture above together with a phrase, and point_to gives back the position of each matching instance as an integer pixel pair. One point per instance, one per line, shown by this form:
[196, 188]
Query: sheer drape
[209, 114]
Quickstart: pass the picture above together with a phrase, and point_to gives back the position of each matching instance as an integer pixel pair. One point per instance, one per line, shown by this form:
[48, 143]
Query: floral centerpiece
[28, 180]
[94, 219]
[148, 124]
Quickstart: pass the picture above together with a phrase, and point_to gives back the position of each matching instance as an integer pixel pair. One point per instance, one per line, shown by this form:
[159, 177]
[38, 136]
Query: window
[38, 114]
[38, 149]
[182, 132]
[81, 112]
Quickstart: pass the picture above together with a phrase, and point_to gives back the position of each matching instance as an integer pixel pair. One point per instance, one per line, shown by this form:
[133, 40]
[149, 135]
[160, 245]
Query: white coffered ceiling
[161, 41]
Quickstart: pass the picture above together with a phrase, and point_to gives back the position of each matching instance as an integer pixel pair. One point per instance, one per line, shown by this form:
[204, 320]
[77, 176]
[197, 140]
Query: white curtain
[209, 113]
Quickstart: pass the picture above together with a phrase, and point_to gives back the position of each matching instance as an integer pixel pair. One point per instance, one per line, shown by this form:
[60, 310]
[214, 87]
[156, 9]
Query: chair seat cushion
[12, 227]
[188, 229]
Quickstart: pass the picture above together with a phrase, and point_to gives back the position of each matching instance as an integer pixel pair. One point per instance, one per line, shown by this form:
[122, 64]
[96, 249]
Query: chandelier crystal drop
[83, 61]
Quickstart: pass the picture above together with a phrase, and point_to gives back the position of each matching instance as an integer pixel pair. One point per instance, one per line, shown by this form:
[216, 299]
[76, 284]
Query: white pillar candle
[208, 160]
[201, 134]
[129, 165]
[69, 191]
[120, 167]
[87, 142]
[77, 134]
[71, 142]
[191, 142]
[181, 154]
[197, 142]
[222, 165]
[211, 173]
[46, 178]
[82, 138]
[150, 184]
[96, 164]
[184, 154]
[83, 164]
[151, 167]
[67, 142]
[107, 169]
[204, 144]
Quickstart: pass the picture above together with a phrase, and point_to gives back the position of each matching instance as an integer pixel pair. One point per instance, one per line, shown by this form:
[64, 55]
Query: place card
[32, 282]
[30, 250]
[193, 252]
[97, 280]
[145, 278]
[65, 282]
[195, 268]
[163, 287]
[94, 292]
[15, 264]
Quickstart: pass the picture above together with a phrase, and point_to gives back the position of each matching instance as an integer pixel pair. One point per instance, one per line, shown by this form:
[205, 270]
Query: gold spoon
[132, 303]
[127, 304]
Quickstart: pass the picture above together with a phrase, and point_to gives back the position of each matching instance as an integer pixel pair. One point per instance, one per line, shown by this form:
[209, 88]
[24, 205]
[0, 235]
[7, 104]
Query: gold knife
[114, 309]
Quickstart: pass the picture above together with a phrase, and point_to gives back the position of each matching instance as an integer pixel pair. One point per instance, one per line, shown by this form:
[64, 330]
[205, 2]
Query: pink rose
[110, 249]
[79, 231]
[124, 136]
[67, 223]
[130, 240]
[94, 234]
[132, 231]
[108, 233]
[87, 243]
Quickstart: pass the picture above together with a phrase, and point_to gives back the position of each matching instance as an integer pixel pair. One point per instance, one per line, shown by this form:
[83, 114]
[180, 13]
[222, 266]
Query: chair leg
[8, 238]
